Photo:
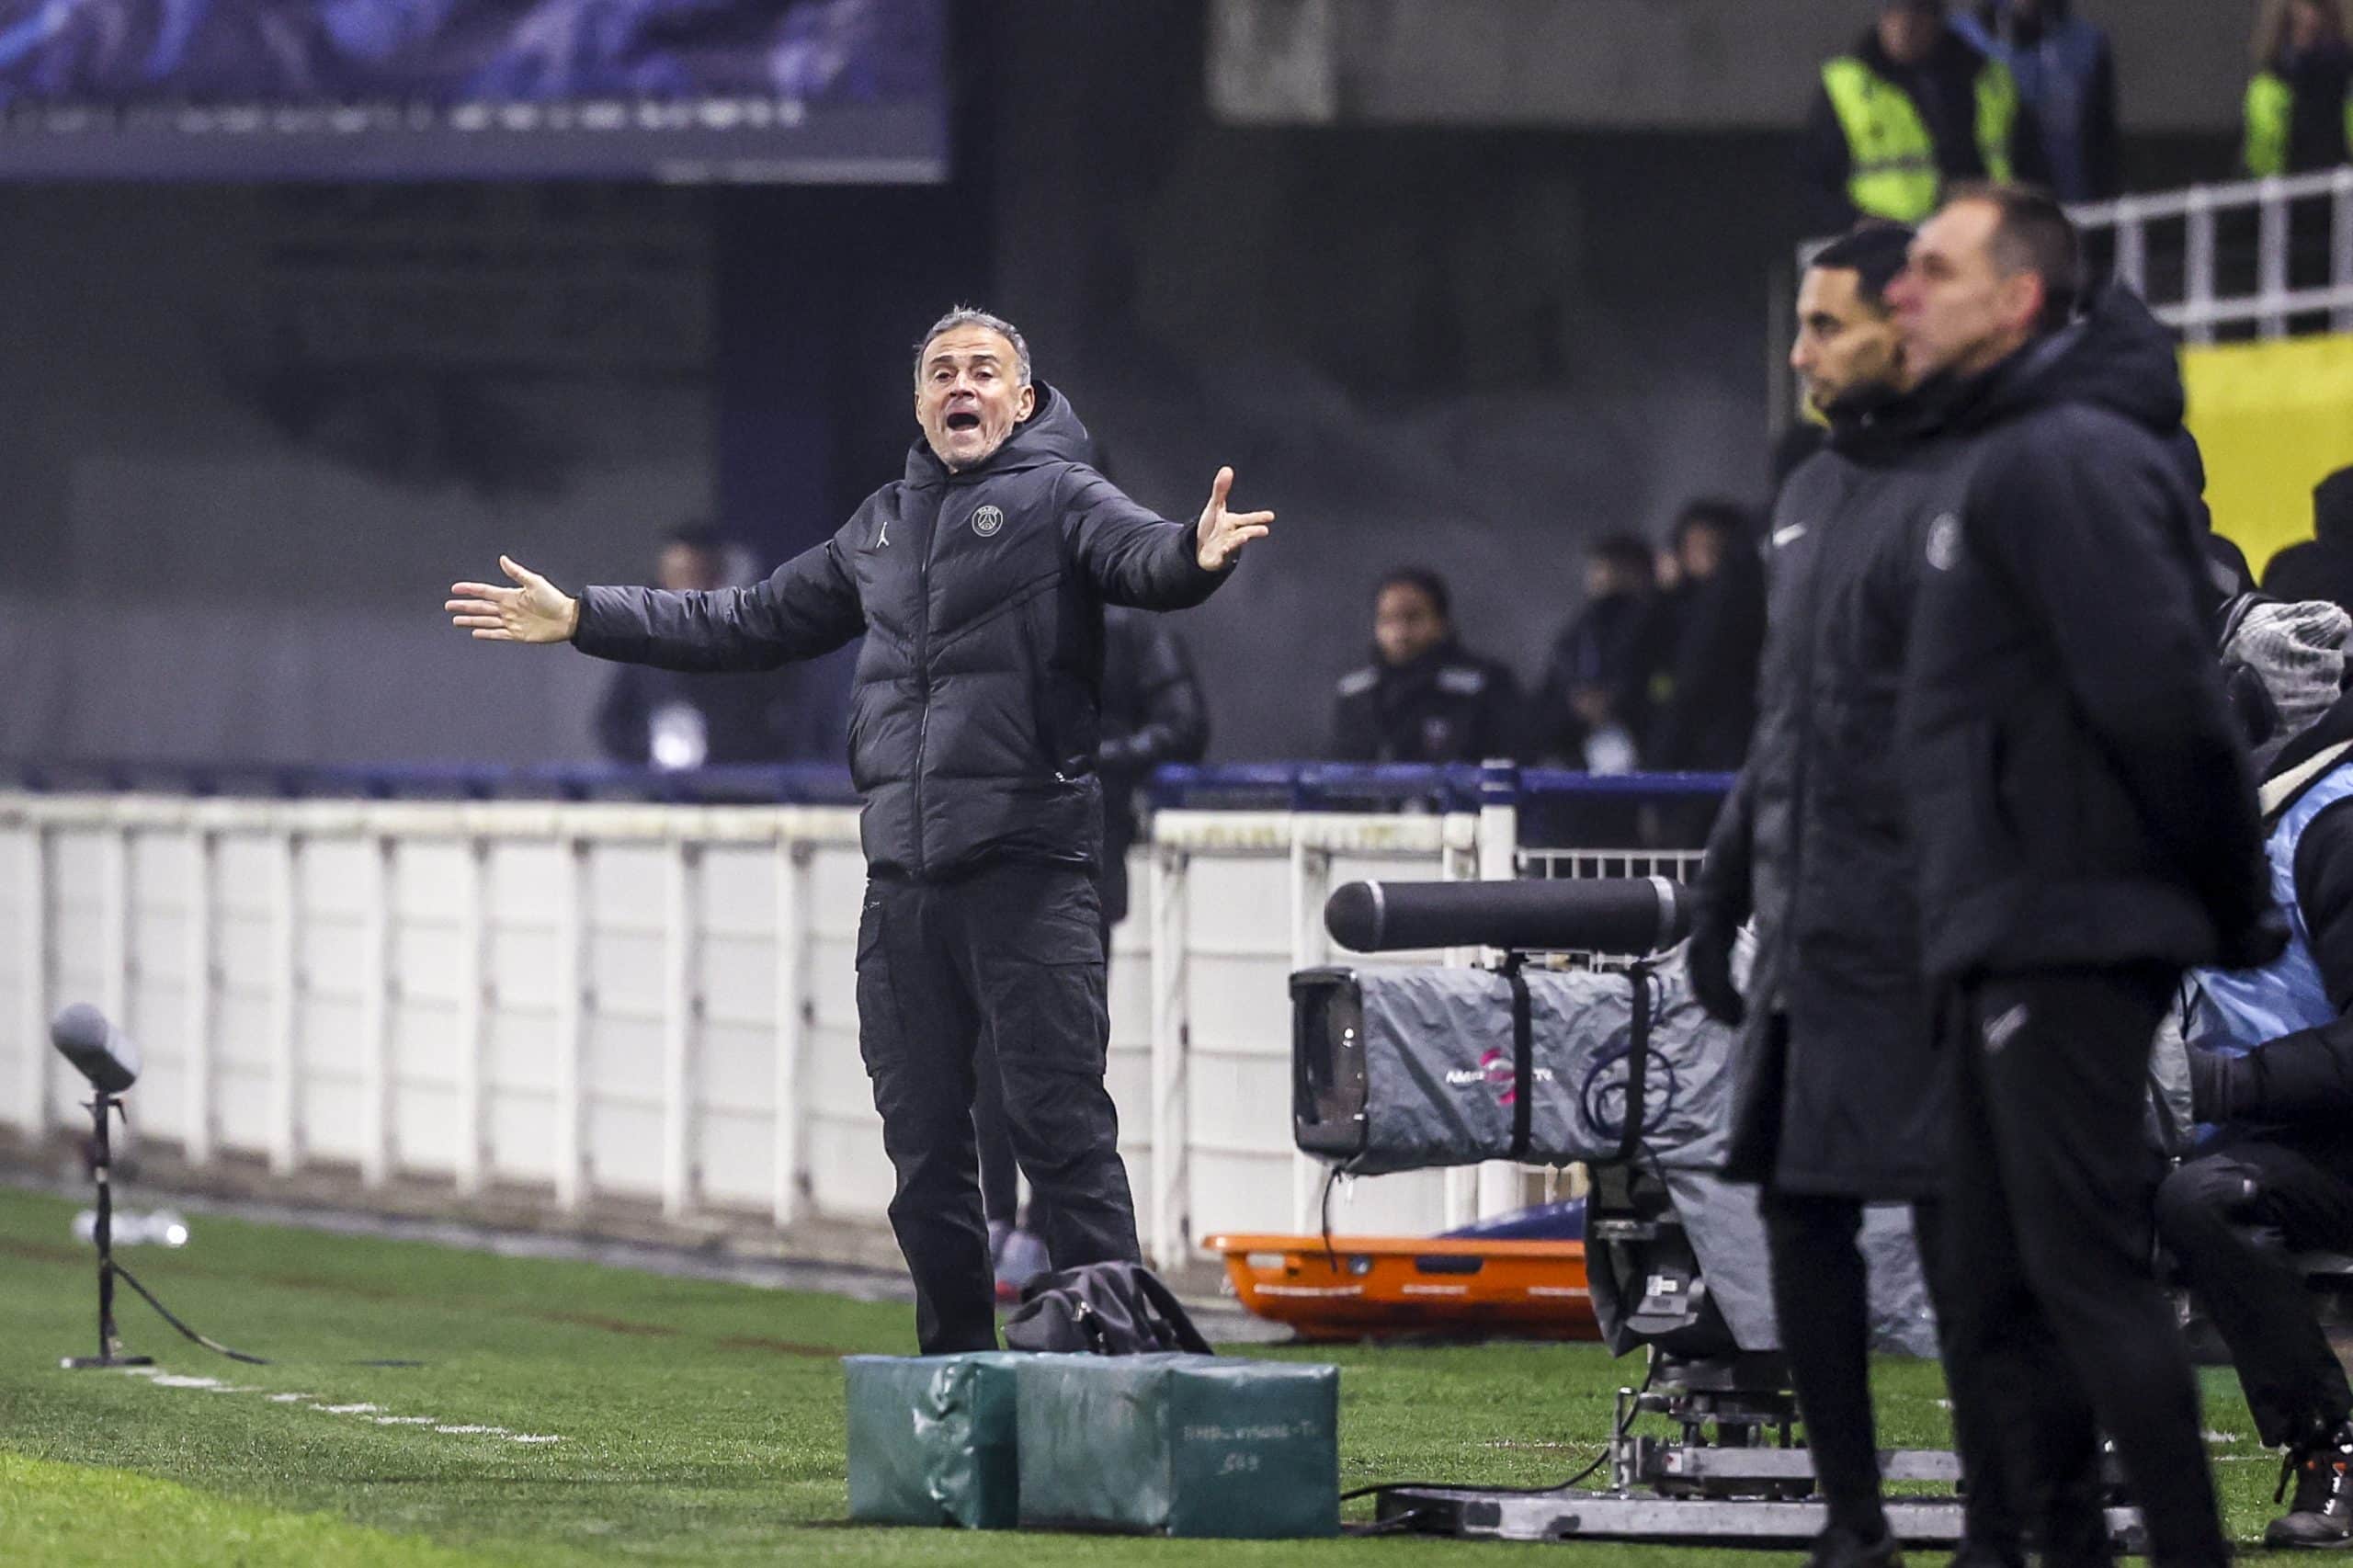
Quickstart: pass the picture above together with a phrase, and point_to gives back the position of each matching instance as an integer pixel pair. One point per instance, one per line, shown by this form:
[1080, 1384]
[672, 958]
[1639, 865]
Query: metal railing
[653, 1000]
[2187, 252]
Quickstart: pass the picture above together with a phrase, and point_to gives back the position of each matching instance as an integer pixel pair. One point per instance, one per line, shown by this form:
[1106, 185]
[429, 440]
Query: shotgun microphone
[1599, 915]
[105, 1056]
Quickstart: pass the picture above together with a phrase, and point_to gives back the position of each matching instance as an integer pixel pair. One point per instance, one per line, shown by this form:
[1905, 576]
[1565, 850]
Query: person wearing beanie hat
[2272, 1072]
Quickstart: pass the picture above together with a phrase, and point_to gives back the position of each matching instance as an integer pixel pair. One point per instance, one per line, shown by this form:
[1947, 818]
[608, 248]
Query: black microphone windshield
[1601, 915]
[105, 1054]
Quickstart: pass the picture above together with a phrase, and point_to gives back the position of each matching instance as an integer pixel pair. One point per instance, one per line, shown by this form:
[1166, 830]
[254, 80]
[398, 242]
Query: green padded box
[931, 1440]
[1179, 1445]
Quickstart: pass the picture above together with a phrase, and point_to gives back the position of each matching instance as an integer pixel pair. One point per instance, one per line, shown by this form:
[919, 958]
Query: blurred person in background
[1912, 108]
[2271, 1073]
[2298, 116]
[2085, 830]
[672, 720]
[1839, 1099]
[979, 579]
[1425, 696]
[1590, 704]
[2066, 77]
[1704, 636]
[2322, 566]
[1153, 713]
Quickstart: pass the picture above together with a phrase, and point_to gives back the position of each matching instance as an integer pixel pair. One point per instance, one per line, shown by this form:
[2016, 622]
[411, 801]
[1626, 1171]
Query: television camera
[1534, 1057]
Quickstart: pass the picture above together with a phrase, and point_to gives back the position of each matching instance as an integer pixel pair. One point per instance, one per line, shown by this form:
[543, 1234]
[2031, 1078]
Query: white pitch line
[157, 1378]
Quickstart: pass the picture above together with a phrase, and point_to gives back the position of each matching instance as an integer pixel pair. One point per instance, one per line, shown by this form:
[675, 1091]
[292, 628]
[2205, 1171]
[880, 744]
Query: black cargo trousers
[2055, 1327]
[1007, 958]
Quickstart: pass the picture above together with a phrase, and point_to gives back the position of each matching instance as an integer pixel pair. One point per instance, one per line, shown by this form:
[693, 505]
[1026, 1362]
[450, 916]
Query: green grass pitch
[692, 1423]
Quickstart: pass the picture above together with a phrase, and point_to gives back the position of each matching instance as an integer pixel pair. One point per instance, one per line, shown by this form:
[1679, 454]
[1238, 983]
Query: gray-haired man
[980, 578]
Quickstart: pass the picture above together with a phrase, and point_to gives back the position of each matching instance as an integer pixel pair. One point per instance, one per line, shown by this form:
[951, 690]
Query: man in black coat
[979, 580]
[2322, 566]
[2272, 1073]
[2085, 826]
[1703, 683]
[1838, 1100]
[1424, 697]
[1593, 688]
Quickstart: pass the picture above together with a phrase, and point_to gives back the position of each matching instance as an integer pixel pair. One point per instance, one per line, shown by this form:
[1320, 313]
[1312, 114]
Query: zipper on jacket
[923, 665]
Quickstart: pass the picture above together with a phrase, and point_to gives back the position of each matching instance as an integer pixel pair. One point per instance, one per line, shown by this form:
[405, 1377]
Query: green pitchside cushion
[931, 1440]
[1179, 1445]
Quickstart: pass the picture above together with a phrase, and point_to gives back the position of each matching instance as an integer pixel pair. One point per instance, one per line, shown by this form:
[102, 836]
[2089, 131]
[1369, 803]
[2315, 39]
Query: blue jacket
[2067, 76]
[2273, 1047]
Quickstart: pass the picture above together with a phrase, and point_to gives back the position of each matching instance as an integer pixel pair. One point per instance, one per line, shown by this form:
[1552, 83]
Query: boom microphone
[1601, 915]
[107, 1056]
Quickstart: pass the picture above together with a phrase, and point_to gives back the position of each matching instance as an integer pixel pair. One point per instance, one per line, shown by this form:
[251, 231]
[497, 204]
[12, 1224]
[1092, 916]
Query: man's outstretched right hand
[534, 610]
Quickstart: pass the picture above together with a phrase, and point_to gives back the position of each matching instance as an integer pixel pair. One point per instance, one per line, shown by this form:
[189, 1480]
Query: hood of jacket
[1875, 423]
[1051, 434]
[2117, 356]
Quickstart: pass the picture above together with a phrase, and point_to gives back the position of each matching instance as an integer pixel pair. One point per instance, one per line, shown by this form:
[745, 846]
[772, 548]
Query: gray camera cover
[1440, 1087]
[1441, 1090]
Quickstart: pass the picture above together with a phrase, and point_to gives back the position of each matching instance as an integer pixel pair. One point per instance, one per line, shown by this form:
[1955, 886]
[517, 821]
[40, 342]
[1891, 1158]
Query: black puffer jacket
[973, 721]
[2077, 791]
[1448, 705]
[1836, 1091]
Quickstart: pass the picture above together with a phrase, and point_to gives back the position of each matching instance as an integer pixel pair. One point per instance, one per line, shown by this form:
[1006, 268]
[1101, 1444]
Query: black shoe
[2321, 1518]
[1841, 1548]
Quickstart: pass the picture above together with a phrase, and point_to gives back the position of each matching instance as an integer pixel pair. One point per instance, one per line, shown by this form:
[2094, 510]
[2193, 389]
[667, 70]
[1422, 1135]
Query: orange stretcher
[1412, 1285]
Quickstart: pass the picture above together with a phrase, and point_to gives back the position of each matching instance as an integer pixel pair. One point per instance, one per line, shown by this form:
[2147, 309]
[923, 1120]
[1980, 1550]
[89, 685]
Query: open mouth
[961, 420]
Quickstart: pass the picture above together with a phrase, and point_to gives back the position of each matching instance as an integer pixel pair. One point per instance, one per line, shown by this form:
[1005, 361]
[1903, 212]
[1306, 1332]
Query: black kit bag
[1102, 1308]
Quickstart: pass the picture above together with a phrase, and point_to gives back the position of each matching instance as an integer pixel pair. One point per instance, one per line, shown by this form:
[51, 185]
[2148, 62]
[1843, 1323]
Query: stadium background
[1442, 307]
[1471, 284]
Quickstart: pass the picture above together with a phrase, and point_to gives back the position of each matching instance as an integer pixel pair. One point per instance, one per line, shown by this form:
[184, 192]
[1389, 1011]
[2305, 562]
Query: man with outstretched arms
[979, 580]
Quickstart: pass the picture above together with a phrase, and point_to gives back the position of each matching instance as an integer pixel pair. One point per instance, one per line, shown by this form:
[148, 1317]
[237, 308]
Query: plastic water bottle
[165, 1227]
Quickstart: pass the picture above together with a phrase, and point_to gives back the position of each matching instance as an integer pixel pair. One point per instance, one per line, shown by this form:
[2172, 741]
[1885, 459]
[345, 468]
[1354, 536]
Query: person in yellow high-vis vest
[2298, 113]
[1913, 107]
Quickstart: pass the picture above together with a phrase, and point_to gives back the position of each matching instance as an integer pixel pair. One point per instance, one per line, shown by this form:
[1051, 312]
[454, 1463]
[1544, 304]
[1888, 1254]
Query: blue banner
[804, 89]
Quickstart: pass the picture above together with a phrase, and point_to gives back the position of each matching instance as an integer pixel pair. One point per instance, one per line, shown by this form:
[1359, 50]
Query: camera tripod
[1734, 1469]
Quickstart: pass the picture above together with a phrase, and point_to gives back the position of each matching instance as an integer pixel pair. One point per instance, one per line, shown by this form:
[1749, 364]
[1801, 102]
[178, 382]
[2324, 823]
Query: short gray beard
[953, 466]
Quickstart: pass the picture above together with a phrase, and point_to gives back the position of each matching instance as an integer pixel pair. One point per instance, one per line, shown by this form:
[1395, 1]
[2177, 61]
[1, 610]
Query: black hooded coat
[1837, 1092]
[975, 710]
[2078, 795]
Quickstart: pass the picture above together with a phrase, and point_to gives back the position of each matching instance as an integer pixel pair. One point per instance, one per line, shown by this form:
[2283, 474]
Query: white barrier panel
[646, 1002]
